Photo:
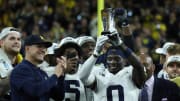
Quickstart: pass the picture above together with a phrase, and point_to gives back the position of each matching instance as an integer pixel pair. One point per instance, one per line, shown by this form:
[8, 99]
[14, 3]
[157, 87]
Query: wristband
[127, 52]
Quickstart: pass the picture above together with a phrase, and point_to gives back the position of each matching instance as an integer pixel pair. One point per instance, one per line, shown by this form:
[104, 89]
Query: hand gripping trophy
[109, 16]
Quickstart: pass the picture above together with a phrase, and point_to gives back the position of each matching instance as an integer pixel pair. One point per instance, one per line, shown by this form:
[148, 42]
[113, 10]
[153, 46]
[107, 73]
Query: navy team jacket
[29, 83]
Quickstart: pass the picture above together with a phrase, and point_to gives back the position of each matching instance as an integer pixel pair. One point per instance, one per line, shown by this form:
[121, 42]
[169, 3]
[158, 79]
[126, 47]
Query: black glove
[121, 14]
[115, 39]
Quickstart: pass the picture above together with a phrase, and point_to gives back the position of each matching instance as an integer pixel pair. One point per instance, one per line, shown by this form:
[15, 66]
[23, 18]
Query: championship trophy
[108, 16]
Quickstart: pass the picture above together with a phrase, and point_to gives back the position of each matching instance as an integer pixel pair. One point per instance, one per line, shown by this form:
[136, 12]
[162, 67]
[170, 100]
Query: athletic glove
[99, 44]
[115, 39]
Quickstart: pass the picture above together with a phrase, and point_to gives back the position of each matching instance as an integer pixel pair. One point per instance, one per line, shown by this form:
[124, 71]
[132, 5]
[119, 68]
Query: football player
[74, 88]
[87, 43]
[115, 82]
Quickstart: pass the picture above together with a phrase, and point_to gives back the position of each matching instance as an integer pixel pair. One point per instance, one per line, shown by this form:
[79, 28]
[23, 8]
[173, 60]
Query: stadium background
[153, 22]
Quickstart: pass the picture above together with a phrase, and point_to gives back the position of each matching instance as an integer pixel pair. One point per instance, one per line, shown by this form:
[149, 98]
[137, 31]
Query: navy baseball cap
[36, 40]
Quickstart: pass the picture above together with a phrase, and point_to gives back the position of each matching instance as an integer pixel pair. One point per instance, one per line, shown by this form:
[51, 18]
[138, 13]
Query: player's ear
[27, 48]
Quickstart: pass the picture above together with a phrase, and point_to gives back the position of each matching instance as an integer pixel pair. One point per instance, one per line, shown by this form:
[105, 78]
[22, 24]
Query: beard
[13, 52]
[174, 75]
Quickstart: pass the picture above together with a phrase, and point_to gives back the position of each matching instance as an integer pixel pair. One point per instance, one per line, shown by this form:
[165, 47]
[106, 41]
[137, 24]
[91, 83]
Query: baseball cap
[65, 43]
[174, 58]
[83, 39]
[8, 30]
[35, 40]
[163, 50]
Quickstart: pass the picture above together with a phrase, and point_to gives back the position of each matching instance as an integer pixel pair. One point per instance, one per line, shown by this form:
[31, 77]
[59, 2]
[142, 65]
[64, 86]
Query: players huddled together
[86, 69]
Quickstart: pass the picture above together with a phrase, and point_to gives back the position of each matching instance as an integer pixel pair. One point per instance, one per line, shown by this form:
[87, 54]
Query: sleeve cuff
[54, 78]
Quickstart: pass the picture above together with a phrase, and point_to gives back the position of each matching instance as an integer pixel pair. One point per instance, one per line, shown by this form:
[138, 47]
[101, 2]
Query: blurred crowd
[153, 22]
[53, 44]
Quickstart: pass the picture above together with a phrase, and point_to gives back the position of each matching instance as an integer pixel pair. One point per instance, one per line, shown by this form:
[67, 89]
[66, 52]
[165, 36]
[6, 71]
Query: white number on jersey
[68, 89]
[119, 88]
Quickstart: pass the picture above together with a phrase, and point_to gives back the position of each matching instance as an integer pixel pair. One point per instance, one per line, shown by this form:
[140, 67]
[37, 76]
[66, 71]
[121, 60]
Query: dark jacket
[164, 89]
[29, 83]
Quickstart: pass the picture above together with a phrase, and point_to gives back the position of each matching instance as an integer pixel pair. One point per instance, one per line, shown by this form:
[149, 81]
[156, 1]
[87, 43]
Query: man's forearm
[128, 37]
[138, 71]
[87, 67]
[131, 57]
[129, 41]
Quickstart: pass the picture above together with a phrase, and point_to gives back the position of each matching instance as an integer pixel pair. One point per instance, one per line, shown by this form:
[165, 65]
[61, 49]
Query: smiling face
[114, 61]
[11, 43]
[35, 53]
[173, 69]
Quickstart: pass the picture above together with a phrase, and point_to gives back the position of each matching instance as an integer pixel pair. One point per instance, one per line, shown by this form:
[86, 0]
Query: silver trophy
[108, 19]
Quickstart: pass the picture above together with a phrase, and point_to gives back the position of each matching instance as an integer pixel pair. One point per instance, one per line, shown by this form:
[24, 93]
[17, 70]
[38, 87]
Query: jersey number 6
[68, 89]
